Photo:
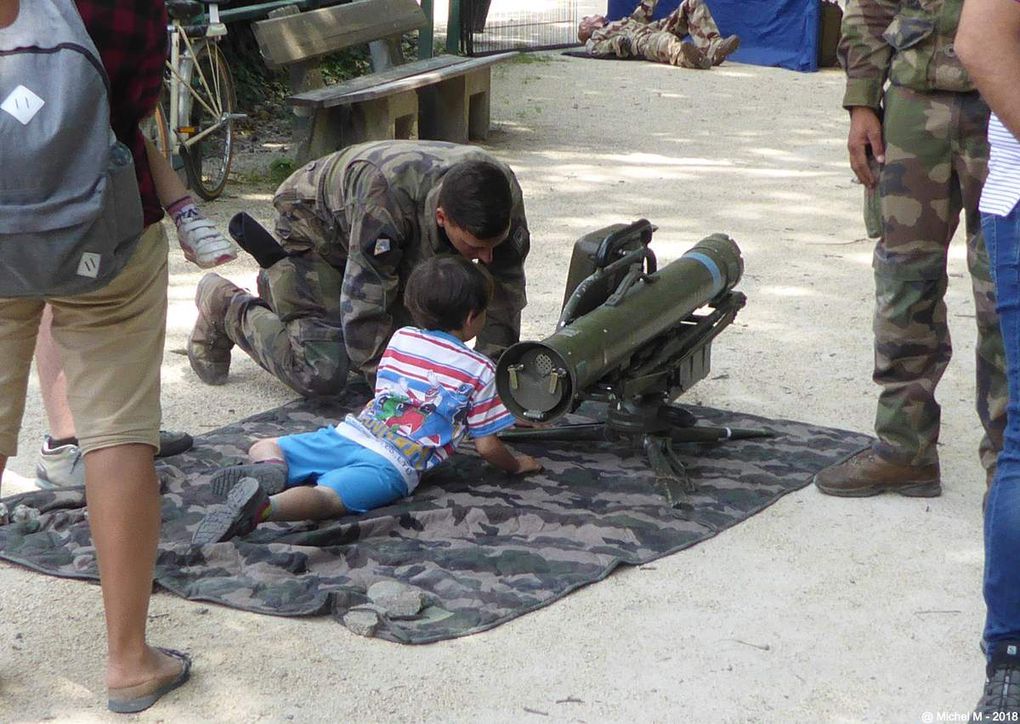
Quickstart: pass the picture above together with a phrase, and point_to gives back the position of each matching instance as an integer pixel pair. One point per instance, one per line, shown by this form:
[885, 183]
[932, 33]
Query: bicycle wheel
[156, 130]
[209, 147]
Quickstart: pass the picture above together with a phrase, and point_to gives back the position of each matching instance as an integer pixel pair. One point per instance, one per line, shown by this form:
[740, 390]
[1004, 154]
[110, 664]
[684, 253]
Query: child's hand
[202, 242]
[526, 464]
[531, 424]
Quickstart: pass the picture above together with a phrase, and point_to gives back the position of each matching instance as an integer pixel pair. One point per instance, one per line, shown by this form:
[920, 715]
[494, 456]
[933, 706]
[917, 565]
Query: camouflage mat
[474, 546]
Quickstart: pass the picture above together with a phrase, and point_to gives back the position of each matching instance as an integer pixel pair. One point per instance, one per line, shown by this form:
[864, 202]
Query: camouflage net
[474, 546]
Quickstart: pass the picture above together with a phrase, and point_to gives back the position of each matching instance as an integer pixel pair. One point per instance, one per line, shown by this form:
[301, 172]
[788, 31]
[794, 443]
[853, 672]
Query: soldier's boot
[243, 510]
[721, 48]
[867, 474]
[687, 55]
[208, 345]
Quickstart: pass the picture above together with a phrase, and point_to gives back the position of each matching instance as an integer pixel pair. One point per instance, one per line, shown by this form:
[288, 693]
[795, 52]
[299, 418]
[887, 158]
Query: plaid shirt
[131, 38]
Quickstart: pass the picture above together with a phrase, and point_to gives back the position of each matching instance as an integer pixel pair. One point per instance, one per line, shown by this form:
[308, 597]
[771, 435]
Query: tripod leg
[672, 481]
[678, 466]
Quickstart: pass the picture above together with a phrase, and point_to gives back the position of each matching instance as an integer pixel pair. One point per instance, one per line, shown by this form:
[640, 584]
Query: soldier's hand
[865, 137]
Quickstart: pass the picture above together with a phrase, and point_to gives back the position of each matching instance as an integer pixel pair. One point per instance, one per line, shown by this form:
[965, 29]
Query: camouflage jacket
[908, 42]
[378, 202]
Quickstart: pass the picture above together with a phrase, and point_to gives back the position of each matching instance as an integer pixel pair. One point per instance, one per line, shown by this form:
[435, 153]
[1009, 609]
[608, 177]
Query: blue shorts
[362, 478]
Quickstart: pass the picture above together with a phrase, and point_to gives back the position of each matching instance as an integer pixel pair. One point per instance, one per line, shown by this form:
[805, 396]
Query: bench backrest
[315, 33]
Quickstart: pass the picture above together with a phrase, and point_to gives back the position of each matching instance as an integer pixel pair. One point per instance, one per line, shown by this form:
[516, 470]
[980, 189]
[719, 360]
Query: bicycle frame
[180, 70]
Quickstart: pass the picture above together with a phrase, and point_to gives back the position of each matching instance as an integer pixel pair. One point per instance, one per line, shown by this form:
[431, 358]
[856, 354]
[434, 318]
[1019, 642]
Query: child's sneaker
[272, 476]
[202, 242]
[238, 516]
[59, 467]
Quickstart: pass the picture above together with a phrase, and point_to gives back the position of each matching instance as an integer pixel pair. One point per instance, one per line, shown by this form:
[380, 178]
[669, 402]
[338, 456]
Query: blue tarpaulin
[781, 33]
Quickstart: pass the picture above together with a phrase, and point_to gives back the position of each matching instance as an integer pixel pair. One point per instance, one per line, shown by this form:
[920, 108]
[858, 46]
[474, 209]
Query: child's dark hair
[443, 290]
[476, 196]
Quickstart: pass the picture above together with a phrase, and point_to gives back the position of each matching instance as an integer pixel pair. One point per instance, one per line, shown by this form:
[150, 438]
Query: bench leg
[386, 118]
[325, 134]
[478, 84]
[443, 111]
[457, 109]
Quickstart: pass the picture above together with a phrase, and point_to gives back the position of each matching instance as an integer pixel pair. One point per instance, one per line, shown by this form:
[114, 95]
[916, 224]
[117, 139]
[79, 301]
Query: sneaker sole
[272, 479]
[218, 525]
[929, 489]
[199, 367]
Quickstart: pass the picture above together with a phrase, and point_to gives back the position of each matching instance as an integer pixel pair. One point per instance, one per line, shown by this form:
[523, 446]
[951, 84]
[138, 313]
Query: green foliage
[529, 58]
[354, 62]
[280, 169]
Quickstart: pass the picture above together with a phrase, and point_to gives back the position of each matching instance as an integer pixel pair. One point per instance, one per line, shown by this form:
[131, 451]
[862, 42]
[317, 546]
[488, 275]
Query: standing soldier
[660, 41]
[353, 226]
[928, 156]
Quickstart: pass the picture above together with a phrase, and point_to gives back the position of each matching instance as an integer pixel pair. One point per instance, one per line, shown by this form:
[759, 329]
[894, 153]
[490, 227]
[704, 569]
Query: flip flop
[133, 699]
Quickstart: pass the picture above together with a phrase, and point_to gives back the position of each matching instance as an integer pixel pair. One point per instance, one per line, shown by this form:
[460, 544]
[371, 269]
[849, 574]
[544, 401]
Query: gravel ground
[817, 609]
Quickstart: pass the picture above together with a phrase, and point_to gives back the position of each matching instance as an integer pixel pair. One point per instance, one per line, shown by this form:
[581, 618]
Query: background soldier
[353, 225]
[660, 41]
[933, 154]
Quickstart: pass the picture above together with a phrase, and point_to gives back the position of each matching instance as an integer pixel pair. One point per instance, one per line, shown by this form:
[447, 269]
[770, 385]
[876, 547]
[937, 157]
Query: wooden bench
[443, 98]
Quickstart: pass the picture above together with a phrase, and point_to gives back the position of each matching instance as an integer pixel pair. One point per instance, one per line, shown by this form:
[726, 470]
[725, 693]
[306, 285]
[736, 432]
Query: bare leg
[52, 382]
[266, 449]
[306, 503]
[124, 517]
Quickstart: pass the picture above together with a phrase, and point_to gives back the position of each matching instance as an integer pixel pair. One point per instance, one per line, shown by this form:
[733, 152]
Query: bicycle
[193, 123]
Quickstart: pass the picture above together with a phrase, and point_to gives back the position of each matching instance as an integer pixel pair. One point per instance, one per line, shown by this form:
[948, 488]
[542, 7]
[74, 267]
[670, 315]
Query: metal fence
[493, 26]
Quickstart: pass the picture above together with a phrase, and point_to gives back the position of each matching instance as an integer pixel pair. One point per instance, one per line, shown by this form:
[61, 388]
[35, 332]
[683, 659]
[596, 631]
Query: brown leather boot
[867, 474]
[686, 55]
[722, 48]
[208, 345]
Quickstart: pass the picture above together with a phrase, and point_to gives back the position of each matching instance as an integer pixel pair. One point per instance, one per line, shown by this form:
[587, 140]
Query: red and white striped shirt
[431, 391]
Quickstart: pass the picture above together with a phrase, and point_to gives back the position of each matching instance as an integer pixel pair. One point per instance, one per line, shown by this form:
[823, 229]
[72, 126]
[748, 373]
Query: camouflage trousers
[293, 328]
[659, 41]
[936, 161]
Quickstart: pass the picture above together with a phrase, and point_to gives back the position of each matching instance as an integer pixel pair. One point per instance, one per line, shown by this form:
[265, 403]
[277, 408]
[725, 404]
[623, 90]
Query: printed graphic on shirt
[432, 418]
[431, 392]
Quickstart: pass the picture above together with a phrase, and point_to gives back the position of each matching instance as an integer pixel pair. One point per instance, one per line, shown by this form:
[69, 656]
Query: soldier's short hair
[476, 197]
[443, 290]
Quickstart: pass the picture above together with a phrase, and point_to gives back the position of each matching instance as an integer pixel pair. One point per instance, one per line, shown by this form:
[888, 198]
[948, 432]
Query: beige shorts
[111, 346]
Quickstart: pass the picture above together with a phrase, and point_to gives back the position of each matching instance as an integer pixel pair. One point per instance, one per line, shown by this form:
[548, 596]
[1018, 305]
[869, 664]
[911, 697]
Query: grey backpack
[70, 212]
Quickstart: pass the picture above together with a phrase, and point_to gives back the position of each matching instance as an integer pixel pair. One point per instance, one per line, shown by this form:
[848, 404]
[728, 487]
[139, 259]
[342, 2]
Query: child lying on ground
[431, 390]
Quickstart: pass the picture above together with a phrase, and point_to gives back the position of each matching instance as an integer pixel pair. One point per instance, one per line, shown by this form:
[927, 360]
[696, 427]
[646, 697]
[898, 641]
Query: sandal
[132, 699]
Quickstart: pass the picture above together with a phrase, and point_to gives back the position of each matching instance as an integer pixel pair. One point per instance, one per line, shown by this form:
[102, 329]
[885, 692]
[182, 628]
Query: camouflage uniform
[638, 36]
[936, 158]
[355, 223]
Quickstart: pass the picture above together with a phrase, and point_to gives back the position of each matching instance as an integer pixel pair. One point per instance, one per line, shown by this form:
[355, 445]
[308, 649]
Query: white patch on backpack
[89, 265]
[382, 245]
[23, 104]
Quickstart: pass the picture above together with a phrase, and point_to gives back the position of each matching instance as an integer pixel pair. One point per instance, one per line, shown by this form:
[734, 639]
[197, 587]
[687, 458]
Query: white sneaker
[59, 467]
[202, 242]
